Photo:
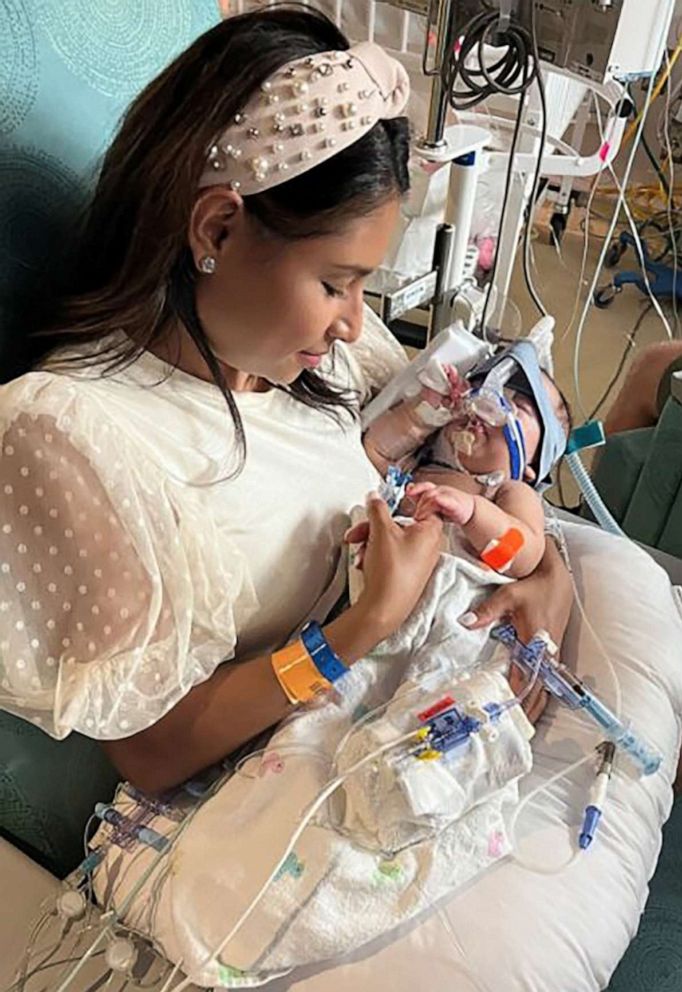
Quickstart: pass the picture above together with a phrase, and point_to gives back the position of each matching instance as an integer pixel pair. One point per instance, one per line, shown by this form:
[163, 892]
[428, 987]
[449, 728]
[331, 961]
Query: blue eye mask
[528, 380]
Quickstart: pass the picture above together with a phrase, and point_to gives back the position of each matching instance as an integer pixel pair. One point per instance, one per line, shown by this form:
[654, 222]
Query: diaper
[400, 800]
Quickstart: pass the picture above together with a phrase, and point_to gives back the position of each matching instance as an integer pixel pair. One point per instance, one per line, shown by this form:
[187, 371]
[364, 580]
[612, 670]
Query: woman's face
[273, 308]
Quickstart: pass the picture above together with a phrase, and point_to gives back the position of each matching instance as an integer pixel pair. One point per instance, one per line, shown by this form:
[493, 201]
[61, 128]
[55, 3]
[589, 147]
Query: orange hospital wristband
[501, 552]
[297, 674]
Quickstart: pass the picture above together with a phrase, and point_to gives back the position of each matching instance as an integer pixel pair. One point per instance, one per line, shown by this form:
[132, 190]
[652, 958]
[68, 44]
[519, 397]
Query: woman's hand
[542, 601]
[396, 562]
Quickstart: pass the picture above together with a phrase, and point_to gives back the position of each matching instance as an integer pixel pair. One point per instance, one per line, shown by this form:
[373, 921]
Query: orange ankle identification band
[501, 552]
[297, 674]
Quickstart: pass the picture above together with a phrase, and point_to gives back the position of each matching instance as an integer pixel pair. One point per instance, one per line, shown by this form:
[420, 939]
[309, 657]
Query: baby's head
[488, 451]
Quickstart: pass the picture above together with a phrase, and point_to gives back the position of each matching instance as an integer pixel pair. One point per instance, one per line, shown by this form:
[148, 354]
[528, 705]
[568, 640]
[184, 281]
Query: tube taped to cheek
[399, 800]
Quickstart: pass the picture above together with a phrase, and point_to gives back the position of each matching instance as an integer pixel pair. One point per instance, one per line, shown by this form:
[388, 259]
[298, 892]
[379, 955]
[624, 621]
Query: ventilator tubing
[596, 504]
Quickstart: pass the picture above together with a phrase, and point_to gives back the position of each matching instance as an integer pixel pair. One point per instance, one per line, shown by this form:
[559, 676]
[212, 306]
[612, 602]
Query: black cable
[503, 214]
[657, 167]
[512, 74]
[538, 170]
[632, 340]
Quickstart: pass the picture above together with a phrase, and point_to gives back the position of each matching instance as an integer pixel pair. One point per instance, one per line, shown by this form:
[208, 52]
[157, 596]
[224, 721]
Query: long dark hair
[133, 269]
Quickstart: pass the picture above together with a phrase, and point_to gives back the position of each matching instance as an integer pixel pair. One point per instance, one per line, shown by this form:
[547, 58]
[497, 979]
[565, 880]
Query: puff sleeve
[114, 601]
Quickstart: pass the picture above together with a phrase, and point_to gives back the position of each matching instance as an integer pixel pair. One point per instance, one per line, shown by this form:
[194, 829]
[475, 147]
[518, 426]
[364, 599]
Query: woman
[150, 533]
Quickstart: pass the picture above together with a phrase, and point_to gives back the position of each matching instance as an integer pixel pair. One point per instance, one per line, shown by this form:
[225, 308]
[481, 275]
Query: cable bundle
[469, 81]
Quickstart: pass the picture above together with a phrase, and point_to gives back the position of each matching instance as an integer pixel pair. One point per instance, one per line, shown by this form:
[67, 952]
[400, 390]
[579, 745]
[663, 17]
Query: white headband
[305, 113]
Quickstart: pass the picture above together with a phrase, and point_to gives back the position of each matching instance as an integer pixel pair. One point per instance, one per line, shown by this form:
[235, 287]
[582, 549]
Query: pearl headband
[305, 113]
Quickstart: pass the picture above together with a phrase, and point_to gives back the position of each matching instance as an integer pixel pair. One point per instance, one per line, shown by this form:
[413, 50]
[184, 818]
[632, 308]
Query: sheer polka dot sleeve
[98, 627]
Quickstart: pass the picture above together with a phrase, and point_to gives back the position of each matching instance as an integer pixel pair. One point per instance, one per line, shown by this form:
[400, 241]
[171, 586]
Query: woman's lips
[311, 358]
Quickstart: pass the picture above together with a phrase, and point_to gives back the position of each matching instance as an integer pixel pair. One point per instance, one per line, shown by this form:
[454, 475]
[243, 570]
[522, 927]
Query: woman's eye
[332, 290]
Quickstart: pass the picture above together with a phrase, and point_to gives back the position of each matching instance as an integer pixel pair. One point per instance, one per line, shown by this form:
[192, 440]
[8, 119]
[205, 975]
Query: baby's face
[490, 452]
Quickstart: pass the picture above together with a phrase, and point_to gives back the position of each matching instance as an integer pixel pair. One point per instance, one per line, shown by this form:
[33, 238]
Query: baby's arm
[482, 521]
[395, 435]
[399, 432]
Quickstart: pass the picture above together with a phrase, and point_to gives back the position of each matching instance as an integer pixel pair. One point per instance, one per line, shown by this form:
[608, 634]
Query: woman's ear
[214, 215]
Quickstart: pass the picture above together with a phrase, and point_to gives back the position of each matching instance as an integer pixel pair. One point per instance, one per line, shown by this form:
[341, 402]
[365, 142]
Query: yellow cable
[656, 93]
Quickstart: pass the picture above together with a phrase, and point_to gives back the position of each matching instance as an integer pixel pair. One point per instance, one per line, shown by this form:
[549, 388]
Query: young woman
[176, 474]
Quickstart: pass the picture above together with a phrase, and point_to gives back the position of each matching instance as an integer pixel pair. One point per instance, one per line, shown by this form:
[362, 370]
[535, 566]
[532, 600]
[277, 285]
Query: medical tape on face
[501, 552]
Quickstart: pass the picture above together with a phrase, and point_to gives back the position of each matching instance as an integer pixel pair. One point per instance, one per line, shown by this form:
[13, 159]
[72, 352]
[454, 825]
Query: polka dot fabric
[96, 598]
[131, 565]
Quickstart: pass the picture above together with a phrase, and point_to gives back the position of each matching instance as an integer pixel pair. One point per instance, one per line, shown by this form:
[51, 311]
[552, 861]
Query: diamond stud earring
[207, 265]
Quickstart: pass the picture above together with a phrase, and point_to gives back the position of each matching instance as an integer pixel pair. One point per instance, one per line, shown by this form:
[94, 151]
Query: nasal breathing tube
[488, 403]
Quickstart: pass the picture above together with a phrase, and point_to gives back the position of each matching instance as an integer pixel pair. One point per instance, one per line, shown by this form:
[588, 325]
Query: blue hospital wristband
[323, 657]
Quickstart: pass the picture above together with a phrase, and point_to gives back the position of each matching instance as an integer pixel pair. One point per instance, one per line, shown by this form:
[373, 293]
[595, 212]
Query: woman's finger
[495, 608]
[357, 534]
[378, 513]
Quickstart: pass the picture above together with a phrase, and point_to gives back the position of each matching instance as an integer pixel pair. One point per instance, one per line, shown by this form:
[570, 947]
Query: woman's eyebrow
[358, 270]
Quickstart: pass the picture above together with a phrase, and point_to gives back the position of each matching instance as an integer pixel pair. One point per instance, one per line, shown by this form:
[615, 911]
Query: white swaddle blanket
[384, 849]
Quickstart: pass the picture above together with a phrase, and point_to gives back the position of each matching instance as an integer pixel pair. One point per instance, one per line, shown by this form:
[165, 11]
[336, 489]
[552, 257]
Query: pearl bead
[300, 88]
[282, 166]
[302, 108]
[279, 117]
[239, 118]
[266, 86]
[235, 185]
[253, 132]
[330, 143]
[306, 155]
[278, 147]
[343, 87]
[260, 165]
[320, 126]
[366, 121]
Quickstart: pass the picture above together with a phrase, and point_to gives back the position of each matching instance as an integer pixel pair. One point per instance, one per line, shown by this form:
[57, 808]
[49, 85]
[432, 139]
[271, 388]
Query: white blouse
[131, 565]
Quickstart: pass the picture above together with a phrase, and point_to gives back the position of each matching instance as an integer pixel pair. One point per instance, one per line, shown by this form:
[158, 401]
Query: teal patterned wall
[68, 69]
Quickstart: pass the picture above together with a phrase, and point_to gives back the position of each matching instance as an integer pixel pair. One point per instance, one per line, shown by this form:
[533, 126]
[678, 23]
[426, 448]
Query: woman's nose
[348, 324]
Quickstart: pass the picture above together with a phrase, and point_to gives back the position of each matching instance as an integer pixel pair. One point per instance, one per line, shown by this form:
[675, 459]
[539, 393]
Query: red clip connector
[444, 704]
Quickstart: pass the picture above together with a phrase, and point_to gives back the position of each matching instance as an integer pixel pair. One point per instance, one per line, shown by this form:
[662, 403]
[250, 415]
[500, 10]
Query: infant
[463, 470]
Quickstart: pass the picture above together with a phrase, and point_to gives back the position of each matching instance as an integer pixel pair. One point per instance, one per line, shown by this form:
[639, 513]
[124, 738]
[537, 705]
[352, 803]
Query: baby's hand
[443, 501]
[442, 386]
[459, 387]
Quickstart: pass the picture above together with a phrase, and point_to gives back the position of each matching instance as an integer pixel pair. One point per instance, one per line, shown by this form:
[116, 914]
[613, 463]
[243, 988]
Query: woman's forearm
[238, 702]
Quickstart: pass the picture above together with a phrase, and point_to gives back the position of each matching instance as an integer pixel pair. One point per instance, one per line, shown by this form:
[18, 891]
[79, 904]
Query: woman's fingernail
[374, 495]
[468, 619]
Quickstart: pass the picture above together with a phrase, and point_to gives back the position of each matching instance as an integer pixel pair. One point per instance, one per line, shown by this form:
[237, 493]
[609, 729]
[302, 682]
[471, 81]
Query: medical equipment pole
[443, 251]
[438, 106]
[459, 211]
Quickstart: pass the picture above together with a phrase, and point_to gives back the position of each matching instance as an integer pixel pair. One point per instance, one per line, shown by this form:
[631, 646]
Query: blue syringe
[535, 661]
